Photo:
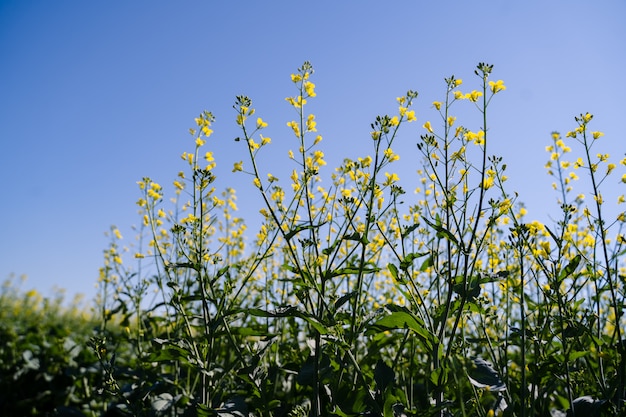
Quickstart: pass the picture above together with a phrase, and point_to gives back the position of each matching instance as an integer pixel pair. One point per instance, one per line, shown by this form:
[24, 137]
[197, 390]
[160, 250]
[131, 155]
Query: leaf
[289, 311]
[482, 375]
[441, 231]
[408, 230]
[162, 402]
[427, 264]
[393, 270]
[570, 268]
[298, 229]
[235, 407]
[402, 318]
[383, 375]
[408, 260]
[344, 298]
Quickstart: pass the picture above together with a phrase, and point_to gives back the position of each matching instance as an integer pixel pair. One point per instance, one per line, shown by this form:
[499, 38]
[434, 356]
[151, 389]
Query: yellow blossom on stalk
[402, 110]
[291, 156]
[391, 178]
[296, 78]
[624, 178]
[579, 163]
[187, 157]
[309, 87]
[257, 183]
[587, 117]
[200, 142]
[437, 105]
[318, 157]
[390, 155]
[294, 126]
[394, 121]
[488, 183]
[451, 120]
[598, 198]
[365, 162]
[317, 140]
[428, 127]
[253, 145]
[260, 124]
[458, 95]
[117, 233]
[238, 166]
[497, 86]
[609, 168]
[621, 199]
[596, 135]
[401, 100]
[265, 140]
[410, 116]
[473, 96]
[458, 82]
[209, 157]
[621, 217]
[297, 102]
[311, 123]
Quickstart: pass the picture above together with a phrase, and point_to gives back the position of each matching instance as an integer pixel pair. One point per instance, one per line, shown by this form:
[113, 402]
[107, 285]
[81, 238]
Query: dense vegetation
[355, 297]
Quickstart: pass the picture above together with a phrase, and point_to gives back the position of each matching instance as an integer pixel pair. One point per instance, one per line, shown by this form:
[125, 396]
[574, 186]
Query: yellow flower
[311, 123]
[294, 126]
[437, 105]
[458, 95]
[257, 183]
[458, 82]
[428, 127]
[200, 142]
[391, 178]
[497, 86]
[473, 96]
[238, 166]
[394, 121]
[610, 167]
[624, 178]
[265, 140]
[117, 233]
[597, 135]
[365, 162]
[260, 124]
[451, 120]
[410, 116]
[309, 87]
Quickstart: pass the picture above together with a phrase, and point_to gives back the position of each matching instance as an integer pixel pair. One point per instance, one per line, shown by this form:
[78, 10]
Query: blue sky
[96, 95]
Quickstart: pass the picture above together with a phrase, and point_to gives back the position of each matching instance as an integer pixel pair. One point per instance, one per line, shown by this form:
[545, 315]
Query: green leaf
[441, 231]
[393, 270]
[403, 318]
[289, 311]
[408, 260]
[427, 264]
[570, 268]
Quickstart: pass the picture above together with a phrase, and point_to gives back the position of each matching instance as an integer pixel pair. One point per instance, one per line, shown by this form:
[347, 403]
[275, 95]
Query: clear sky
[95, 95]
